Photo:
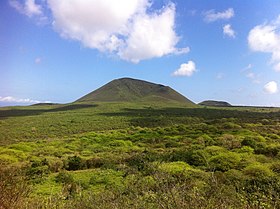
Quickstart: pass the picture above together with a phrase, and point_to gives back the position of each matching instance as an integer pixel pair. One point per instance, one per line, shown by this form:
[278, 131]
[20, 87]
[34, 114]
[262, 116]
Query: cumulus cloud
[11, 99]
[271, 87]
[186, 69]
[277, 67]
[29, 7]
[129, 29]
[124, 27]
[227, 30]
[266, 38]
[212, 15]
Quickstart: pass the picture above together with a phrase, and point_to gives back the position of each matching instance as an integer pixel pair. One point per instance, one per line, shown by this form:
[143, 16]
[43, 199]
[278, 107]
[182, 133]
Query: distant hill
[133, 90]
[44, 103]
[215, 103]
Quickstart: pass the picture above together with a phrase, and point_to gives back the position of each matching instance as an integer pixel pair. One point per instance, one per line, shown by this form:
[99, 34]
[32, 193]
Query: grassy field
[128, 155]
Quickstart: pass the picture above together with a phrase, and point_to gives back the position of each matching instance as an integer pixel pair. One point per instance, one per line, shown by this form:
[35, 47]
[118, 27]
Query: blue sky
[61, 50]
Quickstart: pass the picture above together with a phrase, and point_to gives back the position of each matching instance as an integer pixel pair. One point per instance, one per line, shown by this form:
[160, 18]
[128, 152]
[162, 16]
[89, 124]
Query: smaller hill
[213, 103]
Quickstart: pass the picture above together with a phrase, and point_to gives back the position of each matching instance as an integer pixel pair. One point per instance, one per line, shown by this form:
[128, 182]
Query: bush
[175, 167]
[38, 169]
[64, 177]
[275, 167]
[107, 177]
[13, 188]
[37, 173]
[74, 163]
[271, 150]
[230, 125]
[246, 149]
[224, 161]
[249, 142]
[55, 165]
[229, 141]
[258, 171]
[199, 158]
[94, 163]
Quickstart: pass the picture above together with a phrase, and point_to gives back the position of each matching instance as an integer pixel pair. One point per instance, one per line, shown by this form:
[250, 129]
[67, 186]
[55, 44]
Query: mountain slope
[129, 90]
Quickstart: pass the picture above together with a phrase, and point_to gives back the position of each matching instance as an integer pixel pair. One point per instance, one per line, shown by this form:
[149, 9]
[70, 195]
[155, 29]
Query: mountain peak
[133, 90]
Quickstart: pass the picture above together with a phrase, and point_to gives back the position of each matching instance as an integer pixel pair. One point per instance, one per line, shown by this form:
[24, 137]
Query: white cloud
[38, 60]
[271, 87]
[255, 78]
[227, 30]
[123, 27]
[11, 99]
[186, 69]
[266, 38]
[250, 75]
[29, 7]
[248, 67]
[220, 76]
[277, 67]
[212, 15]
[126, 28]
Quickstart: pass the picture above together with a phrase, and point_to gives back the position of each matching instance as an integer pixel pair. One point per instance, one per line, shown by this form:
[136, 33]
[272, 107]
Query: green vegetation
[215, 103]
[132, 90]
[139, 155]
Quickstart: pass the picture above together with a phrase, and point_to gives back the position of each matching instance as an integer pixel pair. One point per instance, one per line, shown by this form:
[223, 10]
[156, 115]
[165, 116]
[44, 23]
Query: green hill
[215, 103]
[133, 90]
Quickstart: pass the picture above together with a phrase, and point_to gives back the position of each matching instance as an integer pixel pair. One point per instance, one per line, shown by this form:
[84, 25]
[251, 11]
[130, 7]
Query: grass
[50, 121]
[132, 90]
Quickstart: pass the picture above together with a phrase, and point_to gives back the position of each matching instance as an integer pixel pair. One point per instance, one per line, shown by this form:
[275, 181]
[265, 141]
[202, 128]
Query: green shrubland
[129, 155]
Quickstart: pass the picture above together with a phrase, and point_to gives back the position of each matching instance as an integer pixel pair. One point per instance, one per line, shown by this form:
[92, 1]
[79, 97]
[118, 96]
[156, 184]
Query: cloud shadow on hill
[154, 117]
[27, 111]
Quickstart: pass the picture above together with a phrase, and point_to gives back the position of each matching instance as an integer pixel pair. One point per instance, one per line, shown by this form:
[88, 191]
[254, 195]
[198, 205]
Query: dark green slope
[133, 90]
[215, 103]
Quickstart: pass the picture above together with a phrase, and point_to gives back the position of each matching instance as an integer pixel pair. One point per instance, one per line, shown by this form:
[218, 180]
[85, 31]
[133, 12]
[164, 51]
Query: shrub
[107, 177]
[234, 177]
[37, 173]
[275, 167]
[55, 165]
[64, 177]
[94, 163]
[199, 158]
[74, 163]
[214, 150]
[230, 125]
[22, 147]
[224, 161]
[229, 141]
[38, 169]
[13, 188]
[249, 142]
[175, 167]
[6, 159]
[271, 150]
[208, 141]
[246, 149]
[258, 171]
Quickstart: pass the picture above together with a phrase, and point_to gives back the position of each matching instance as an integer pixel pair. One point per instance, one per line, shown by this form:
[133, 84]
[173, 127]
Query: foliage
[13, 188]
[144, 155]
